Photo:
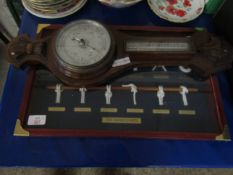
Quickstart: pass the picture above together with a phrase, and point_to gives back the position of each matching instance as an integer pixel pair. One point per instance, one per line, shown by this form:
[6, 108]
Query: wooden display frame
[21, 130]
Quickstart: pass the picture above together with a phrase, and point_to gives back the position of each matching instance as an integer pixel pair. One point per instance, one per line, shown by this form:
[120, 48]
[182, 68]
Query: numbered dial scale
[83, 46]
[85, 52]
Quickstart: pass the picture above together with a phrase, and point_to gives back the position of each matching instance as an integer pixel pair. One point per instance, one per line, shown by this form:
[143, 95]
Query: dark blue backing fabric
[94, 152]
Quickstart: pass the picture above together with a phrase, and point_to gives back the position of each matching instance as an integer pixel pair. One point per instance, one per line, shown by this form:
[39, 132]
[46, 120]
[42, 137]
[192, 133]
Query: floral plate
[178, 11]
[43, 14]
[119, 3]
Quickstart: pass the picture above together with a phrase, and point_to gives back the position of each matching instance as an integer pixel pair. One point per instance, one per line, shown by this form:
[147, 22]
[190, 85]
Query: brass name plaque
[56, 109]
[121, 120]
[110, 110]
[82, 109]
[161, 76]
[135, 110]
[161, 111]
[187, 112]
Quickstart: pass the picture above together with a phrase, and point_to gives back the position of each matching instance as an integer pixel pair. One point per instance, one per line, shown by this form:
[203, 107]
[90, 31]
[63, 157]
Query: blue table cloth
[108, 152]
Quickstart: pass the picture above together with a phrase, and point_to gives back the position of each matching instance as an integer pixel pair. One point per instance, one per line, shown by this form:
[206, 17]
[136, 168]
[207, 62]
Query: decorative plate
[119, 3]
[178, 11]
[52, 10]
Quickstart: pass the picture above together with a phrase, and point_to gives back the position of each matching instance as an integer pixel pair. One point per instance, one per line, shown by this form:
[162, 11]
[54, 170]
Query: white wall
[7, 20]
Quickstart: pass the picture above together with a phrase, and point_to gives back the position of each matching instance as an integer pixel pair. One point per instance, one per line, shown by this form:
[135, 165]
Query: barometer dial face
[82, 44]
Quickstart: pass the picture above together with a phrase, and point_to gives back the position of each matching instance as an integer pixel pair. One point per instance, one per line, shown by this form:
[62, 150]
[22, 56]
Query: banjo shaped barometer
[85, 52]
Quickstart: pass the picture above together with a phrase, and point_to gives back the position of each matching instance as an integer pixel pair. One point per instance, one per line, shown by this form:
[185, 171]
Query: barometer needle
[83, 43]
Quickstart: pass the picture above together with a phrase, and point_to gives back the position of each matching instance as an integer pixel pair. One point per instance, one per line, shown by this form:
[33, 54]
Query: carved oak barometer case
[85, 52]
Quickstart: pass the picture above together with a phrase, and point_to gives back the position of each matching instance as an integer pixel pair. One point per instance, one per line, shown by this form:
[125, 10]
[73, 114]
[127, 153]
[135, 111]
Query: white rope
[83, 95]
[184, 91]
[161, 95]
[134, 90]
[163, 67]
[58, 91]
[108, 94]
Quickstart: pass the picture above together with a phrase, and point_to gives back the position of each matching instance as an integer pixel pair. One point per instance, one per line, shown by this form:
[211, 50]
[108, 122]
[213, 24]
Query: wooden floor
[104, 171]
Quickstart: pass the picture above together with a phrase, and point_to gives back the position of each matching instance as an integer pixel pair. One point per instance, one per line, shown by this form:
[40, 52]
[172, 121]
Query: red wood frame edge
[129, 134]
